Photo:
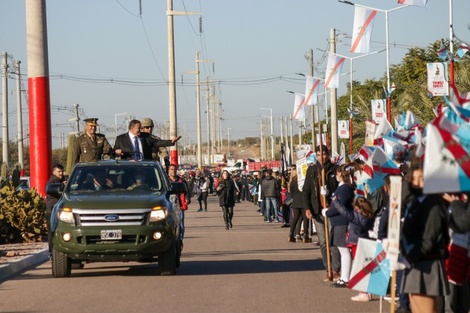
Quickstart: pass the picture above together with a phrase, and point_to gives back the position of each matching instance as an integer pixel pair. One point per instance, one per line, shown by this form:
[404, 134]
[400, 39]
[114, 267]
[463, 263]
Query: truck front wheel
[167, 261]
[61, 264]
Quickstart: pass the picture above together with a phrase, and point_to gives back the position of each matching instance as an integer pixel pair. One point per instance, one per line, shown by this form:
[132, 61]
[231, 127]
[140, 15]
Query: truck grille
[117, 217]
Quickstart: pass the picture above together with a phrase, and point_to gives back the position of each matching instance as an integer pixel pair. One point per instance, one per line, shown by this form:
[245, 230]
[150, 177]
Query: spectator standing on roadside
[57, 177]
[162, 152]
[313, 190]
[183, 199]
[202, 198]
[424, 245]
[344, 195]
[270, 192]
[90, 146]
[297, 207]
[226, 192]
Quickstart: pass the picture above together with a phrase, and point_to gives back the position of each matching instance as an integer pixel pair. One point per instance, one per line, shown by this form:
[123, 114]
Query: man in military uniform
[90, 146]
[162, 152]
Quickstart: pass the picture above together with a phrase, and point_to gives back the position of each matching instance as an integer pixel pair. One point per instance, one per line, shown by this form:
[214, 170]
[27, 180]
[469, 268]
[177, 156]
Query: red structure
[38, 94]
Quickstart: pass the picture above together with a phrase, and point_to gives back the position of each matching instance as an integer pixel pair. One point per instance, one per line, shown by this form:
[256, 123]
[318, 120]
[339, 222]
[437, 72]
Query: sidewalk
[15, 258]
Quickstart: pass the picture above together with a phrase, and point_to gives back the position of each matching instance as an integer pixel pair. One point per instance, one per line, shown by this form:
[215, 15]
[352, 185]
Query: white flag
[343, 129]
[333, 70]
[419, 3]
[438, 85]
[363, 24]
[379, 110]
[311, 87]
[299, 107]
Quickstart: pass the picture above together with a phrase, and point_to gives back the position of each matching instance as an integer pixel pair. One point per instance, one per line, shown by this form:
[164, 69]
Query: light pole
[389, 106]
[272, 131]
[351, 59]
[115, 124]
[171, 77]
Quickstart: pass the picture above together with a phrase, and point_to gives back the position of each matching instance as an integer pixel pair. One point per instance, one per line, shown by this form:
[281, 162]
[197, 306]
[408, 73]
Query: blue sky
[256, 46]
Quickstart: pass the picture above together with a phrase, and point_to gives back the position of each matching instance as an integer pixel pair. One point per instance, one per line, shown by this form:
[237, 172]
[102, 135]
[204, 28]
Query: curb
[12, 268]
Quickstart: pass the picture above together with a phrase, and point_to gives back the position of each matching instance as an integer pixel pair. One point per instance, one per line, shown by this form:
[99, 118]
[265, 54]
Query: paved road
[250, 268]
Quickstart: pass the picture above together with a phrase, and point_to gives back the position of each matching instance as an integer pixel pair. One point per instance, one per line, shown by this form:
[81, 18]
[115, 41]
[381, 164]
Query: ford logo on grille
[111, 218]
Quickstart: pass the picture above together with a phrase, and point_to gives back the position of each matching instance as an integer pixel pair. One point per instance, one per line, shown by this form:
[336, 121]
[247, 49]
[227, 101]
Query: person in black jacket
[424, 243]
[137, 145]
[311, 192]
[297, 207]
[226, 192]
[57, 177]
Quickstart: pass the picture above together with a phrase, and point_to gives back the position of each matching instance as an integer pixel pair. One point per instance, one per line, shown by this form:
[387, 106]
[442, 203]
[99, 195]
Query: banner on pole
[379, 107]
[419, 3]
[299, 107]
[371, 270]
[438, 84]
[311, 87]
[343, 129]
[333, 70]
[362, 30]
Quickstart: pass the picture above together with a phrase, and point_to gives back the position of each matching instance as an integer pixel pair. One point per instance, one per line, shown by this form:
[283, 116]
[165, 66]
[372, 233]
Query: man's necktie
[136, 148]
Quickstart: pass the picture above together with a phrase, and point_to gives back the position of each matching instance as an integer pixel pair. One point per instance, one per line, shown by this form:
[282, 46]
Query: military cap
[91, 121]
[146, 122]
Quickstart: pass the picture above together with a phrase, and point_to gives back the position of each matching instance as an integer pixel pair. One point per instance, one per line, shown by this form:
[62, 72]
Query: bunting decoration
[362, 29]
[333, 70]
[446, 157]
[311, 90]
[299, 113]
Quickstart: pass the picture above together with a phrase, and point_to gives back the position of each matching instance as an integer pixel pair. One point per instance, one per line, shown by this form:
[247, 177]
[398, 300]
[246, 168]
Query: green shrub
[22, 215]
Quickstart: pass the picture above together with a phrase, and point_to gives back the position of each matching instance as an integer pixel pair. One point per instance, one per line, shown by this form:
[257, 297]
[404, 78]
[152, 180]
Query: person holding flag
[313, 192]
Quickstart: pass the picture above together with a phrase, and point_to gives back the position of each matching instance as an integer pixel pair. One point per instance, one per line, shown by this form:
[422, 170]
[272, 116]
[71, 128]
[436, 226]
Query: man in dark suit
[137, 145]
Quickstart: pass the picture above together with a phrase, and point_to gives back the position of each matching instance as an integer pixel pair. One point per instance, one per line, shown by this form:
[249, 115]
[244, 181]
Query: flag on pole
[446, 161]
[371, 270]
[463, 49]
[333, 70]
[362, 31]
[443, 53]
[419, 3]
[299, 107]
[311, 87]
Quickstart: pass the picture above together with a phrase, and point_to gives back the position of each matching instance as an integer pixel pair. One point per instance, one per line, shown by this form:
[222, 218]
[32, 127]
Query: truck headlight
[66, 215]
[158, 213]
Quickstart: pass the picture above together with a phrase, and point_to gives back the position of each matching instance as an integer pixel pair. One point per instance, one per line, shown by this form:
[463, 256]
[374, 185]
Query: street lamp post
[272, 131]
[351, 59]
[115, 124]
[389, 106]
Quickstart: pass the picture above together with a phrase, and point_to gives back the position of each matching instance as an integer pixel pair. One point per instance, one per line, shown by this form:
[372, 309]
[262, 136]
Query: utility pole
[76, 119]
[208, 123]
[228, 143]
[312, 107]
[5, 147]
[19, 116]
[333, 95]
[291, 139]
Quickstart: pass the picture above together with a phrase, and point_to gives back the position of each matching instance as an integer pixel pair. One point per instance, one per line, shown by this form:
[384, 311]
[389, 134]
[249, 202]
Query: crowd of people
[433, 269]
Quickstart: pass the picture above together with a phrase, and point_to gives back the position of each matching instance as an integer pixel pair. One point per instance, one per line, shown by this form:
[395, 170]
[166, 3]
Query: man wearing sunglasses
[162, 152]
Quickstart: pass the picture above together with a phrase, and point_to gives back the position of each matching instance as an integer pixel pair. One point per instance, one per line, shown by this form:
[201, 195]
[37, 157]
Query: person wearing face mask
[424, 242]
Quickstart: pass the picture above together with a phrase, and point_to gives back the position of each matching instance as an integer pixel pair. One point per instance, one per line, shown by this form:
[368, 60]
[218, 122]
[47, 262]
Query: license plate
[111, 234]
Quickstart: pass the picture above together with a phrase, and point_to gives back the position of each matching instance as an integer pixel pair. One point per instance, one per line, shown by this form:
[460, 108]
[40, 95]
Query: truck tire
[167, 261]
[61, 264]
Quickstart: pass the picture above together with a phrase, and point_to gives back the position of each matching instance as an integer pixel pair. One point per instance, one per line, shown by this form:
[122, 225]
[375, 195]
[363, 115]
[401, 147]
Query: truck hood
[124, 200]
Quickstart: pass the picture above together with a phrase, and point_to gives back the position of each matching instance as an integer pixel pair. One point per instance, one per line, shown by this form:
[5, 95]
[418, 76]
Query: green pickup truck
[116, 211]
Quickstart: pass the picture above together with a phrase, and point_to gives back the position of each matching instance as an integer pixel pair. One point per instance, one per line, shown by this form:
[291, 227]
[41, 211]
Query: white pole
[19, 115]
[5, 148]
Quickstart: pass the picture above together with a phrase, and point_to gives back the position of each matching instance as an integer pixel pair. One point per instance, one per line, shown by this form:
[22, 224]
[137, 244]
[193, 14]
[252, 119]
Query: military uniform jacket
[86, 150]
